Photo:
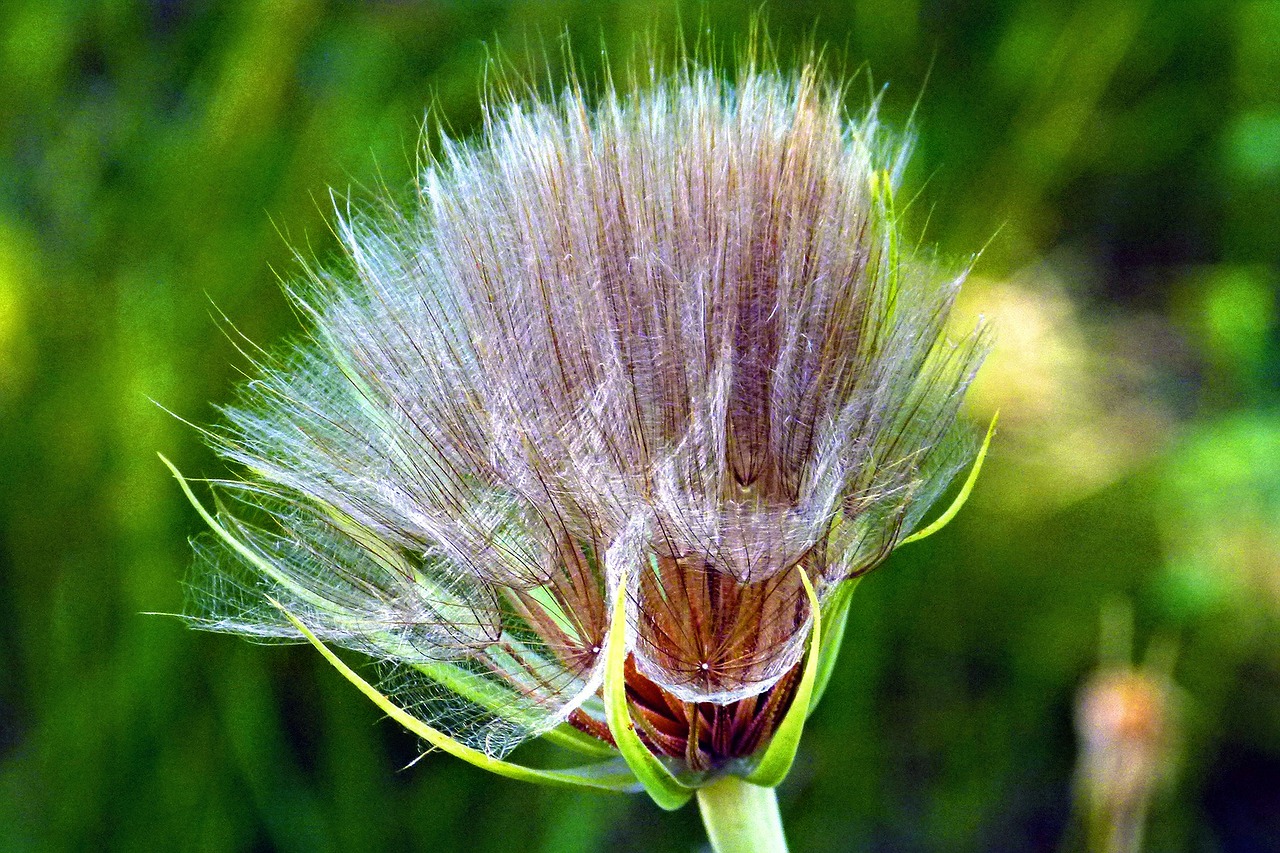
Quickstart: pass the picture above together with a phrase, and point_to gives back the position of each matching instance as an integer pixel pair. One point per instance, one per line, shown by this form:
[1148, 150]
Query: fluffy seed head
[667, 341]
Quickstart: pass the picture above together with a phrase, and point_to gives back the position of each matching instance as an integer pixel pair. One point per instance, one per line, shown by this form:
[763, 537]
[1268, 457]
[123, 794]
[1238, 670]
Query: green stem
[741, 817]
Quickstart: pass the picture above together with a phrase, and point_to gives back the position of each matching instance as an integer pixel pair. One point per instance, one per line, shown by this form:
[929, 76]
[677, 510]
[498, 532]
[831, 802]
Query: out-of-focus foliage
[1120, 161]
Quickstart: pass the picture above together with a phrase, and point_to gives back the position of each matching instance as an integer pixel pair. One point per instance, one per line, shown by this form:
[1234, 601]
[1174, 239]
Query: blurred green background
[1120, 161]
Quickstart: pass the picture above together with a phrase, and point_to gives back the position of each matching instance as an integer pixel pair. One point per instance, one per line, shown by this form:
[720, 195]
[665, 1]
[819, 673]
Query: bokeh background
[1119, 160]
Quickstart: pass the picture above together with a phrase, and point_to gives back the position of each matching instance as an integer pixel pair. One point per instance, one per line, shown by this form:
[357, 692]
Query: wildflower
[592, 442]
[1123, 718]
[1127, 726]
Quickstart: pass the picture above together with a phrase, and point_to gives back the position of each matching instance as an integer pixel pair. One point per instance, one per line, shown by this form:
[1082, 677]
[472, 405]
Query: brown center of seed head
[703, 633]
[705, 735]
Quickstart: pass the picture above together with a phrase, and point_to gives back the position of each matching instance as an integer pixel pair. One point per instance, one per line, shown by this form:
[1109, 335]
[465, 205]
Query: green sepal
[667, 791]
[837, 617]
[778, 756]
[603, 776]
[942, 520]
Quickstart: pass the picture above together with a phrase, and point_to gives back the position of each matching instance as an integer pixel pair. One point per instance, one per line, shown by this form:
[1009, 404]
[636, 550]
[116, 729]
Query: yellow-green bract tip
[942, 520]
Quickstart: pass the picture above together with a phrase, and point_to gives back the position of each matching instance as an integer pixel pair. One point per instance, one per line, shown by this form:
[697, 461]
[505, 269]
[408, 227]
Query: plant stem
[741, 817]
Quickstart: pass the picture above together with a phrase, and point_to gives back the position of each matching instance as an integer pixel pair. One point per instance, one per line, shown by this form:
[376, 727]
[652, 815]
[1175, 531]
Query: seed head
[666, 343]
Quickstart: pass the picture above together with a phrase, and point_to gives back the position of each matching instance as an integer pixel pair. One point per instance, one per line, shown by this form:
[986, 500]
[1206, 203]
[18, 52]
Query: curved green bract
[603, 776]
[781, 751]
[837, 617]
[439, 671]
[239, 547]
[664, 788]
[942, 520]
[837, 608]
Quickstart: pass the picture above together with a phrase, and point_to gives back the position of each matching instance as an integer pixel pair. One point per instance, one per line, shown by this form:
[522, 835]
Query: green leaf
[942, 520]
[781, 751]
[603, 776]
[837, 617]
[667, 791]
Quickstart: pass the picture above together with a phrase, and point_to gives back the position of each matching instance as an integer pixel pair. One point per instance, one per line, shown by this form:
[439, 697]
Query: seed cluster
[663, 340]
